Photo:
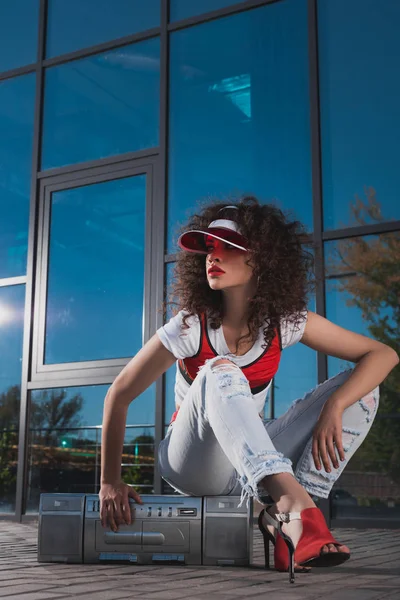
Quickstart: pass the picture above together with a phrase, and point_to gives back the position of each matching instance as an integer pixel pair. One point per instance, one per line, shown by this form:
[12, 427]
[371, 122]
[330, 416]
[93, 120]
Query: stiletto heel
[291, 565]
[267, 538]
[276, 542]
[291, 550]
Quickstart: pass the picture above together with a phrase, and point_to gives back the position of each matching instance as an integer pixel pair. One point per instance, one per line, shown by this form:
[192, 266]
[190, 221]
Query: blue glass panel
[362, 295]
[19, 26]
[239, 112]
[12, 301]
[363, 288]
[65, 441]
[359, 49]
[96, 271]
[17, 104]
[75, 24]
[182, 9]
[102, 105]
[297, 374]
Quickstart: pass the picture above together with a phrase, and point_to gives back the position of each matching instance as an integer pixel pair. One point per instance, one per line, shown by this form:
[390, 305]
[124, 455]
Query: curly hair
[281, 264]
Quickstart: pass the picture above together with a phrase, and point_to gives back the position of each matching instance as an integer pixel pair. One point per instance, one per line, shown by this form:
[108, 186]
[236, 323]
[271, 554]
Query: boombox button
[159, 512]
[149, 511]
[187, 512]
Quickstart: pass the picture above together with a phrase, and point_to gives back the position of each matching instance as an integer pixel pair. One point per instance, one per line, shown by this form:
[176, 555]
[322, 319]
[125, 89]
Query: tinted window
[19, 25]
[96, 271]
[65, 441]
[362, 295]
[17, 104]
[359, 49]
[296, 376]
[234, 125]
[74, 24]
[102, 105]
[181, 9]
[12, 300]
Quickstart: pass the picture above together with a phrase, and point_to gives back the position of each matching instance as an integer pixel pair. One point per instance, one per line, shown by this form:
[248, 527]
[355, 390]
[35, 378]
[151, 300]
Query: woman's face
[226, 265]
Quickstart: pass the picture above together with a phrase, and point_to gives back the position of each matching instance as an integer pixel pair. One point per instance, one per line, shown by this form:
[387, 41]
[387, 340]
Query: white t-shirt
[184, 343]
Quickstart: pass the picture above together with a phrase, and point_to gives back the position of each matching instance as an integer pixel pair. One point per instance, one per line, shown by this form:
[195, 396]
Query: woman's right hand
[114, 504]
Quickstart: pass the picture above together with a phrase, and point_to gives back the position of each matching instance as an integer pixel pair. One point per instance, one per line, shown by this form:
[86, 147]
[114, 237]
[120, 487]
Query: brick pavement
[373, 573]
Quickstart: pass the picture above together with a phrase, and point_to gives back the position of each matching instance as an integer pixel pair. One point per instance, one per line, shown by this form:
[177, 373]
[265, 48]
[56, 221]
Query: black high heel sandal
[269, 537]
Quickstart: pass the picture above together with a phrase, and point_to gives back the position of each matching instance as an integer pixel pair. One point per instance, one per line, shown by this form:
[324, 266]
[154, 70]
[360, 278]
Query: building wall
[116, 119]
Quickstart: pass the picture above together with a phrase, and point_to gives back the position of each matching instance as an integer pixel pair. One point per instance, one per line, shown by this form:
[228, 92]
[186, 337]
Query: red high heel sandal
[308, 552]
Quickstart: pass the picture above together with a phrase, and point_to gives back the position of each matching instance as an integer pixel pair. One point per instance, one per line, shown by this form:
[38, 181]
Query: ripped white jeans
[218, 445]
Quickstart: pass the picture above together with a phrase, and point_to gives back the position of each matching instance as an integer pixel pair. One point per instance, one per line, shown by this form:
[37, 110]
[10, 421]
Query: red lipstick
[215, 271]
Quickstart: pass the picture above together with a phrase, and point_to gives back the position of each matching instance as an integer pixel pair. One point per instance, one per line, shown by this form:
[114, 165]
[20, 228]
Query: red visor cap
[221, 229]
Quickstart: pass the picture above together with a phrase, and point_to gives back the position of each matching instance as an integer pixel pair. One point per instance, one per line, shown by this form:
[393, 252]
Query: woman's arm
[374, 362]
[374, 359]
[142, 370]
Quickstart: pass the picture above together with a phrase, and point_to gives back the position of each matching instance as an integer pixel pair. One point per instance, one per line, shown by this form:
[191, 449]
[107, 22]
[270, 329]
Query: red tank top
[258, 373]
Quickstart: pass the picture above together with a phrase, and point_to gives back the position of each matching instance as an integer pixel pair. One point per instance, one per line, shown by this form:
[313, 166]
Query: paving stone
[26, 587]
[33, 596]
[371, 574]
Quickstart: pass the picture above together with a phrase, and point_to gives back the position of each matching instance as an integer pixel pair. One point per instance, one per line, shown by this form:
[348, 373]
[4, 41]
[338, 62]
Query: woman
[242, 284]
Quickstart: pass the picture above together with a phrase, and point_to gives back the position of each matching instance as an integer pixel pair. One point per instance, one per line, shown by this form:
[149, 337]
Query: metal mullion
[322, 363]
[104, 372]
[97, 175]
[29, 291]
[31, 68]
[316, 171]
[64, 382]
[159, 224]
[148, 252]
[217, 14]
[7, 281]
[373, 229]
[106, 163]
[103, 47]
[41, 281]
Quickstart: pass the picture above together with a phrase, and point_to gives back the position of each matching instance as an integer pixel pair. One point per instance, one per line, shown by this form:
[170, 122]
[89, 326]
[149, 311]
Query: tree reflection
[64, 452]
[367, 270]
[51, 411]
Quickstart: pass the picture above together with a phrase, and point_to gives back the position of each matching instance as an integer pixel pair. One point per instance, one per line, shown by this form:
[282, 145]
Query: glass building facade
[116, 119]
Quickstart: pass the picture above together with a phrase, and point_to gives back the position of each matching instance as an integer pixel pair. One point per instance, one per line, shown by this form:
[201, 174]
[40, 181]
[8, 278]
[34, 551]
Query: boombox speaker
[210, 530]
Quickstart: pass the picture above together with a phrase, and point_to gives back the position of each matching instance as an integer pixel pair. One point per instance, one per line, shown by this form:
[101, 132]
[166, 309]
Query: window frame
[94, 371]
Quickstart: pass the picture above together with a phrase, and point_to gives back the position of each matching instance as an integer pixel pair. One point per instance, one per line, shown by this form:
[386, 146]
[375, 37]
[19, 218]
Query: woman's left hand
[326, 435]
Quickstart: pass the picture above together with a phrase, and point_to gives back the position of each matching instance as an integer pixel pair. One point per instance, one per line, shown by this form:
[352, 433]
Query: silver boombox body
[190, 530]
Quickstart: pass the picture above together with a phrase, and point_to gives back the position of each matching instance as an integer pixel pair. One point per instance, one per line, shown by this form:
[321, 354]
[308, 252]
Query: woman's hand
[326, 435]
[114, 504]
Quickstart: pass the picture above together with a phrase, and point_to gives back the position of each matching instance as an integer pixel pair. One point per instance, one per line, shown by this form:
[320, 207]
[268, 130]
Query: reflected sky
[19, 24]
[367, 300]
[234, 127]
[17, 104]
[12, 306]
[67, 22]
[359, 49]
[102, 105]
[182, 9]
[96, 271]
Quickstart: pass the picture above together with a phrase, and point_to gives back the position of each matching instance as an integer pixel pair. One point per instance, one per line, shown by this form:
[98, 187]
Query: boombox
[190, 530]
